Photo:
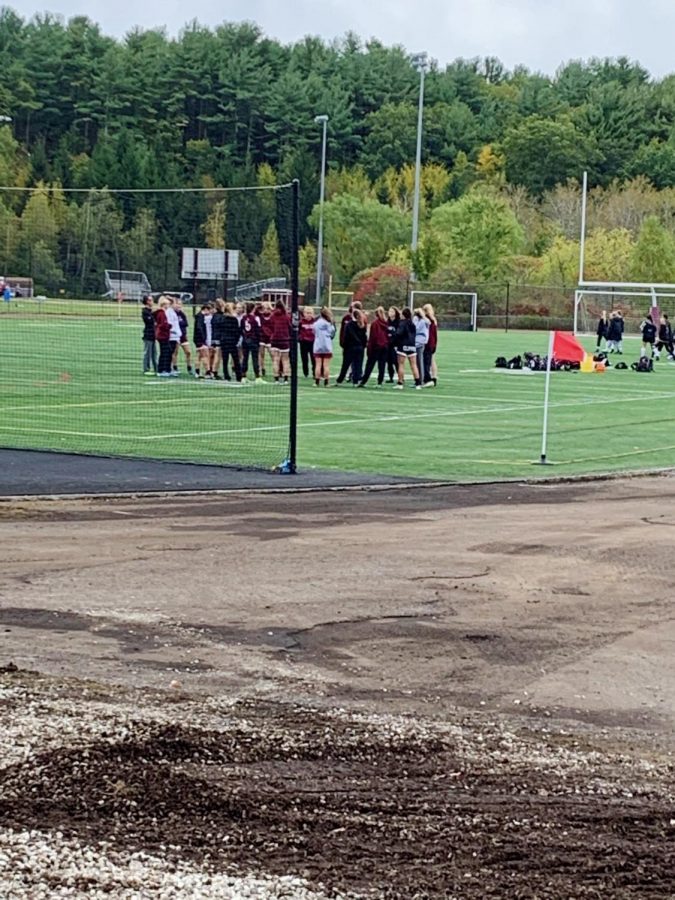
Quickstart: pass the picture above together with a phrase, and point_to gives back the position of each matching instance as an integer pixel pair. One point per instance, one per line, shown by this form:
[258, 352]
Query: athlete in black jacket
[648, 329]
[229, 333]
[665, 338]
[615, 332]
[355, 340]
[149, 350]
[602, 329]
[404, 341]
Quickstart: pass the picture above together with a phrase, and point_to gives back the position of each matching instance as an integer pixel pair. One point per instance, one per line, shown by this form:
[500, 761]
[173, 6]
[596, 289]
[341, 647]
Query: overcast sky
[537, 33]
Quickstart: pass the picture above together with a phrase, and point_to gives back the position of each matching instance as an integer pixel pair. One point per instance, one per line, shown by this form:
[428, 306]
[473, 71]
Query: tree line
[230, 107]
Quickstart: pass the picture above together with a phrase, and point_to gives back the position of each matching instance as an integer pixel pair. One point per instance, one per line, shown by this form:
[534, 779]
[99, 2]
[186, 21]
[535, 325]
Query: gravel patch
[110, 792]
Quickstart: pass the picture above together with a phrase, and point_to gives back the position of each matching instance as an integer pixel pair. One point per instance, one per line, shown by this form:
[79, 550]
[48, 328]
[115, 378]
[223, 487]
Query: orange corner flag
[566, 347]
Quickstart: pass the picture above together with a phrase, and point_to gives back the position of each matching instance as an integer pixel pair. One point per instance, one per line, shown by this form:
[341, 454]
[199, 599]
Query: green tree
[139, 243]
[427, 257]
[360, 233]
[44, 268]
[307, 264]
[15, 168]
[268, 262]
[608, 257]
[391, 140]
[352, 181]
[653, 258]
[38, 223]
[656, 161]
[214, 227]
[9, 239]
[477, 234]
[541, 153]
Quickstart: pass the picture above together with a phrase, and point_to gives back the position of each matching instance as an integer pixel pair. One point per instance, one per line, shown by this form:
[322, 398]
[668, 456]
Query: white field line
[325, 424]
[106, 320]
[217, 395]
[57, 407]
[532, 402]
[605, 386]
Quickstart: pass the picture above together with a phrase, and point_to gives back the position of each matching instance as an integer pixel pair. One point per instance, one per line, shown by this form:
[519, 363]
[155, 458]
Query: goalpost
[332, 293]
[661, 296]
[132, 285]
[620, 295]
[453, 313]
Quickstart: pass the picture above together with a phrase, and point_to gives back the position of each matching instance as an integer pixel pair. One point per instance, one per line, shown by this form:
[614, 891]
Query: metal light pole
[319, 253]
[419, 60]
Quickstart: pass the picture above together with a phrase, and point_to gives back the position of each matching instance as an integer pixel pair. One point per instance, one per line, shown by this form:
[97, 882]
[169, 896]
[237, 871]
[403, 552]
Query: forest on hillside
[227, 107]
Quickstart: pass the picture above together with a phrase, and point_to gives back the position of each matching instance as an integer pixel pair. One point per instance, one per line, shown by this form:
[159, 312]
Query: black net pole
[295, 325]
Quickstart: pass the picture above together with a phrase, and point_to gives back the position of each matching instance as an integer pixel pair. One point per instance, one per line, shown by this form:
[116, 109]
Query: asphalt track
[30, 472]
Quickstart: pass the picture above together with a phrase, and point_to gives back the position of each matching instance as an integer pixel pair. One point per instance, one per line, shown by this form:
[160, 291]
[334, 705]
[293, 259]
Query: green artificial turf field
[73, 383]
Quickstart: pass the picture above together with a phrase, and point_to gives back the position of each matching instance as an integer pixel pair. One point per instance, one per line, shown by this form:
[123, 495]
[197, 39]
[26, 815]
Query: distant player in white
[174, 324]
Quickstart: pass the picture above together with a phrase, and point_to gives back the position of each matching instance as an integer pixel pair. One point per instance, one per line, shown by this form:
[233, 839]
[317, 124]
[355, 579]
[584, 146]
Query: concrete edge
[354, 488]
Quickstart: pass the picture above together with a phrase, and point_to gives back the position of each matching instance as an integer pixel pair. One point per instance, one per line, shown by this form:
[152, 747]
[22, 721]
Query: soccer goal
[456, 310]
[129, 285]
[344, 298]
[634, 299]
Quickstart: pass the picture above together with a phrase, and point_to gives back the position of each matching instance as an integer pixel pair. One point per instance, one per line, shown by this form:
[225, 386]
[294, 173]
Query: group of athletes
[230, 338]
[656, 336]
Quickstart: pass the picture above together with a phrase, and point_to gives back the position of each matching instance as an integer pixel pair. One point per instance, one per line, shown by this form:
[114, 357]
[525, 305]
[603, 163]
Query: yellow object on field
[587, 364]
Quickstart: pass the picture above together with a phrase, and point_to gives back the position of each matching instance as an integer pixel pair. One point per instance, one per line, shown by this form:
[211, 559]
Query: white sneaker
[398, 387]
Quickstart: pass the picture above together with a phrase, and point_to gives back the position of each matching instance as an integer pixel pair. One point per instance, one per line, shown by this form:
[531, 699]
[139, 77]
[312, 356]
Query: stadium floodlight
[321, 120]
[419, 61]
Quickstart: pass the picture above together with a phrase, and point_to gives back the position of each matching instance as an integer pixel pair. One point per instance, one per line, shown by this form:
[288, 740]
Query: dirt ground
[425, 692]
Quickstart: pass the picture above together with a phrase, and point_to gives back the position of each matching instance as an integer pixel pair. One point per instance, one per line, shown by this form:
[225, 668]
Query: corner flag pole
[544, 434]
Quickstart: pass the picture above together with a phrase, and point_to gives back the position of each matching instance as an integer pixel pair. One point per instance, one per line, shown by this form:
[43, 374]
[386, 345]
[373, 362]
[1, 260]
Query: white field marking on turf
[325, 424]
[79, 322]
[524, 403]
[568, 462]
[60, 406]
[595, 385]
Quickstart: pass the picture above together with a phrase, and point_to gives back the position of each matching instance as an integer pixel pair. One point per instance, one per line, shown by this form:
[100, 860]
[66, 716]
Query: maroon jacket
[250, 329]
[280, 337]
[306, 330]
[162, 326]
[378, 339]
[432, 343]
[265, 327]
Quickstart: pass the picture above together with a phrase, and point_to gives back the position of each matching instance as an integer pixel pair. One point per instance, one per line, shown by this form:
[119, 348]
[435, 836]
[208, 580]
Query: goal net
[634, 302]
[456, 310]
[126, 285]
[85, 373]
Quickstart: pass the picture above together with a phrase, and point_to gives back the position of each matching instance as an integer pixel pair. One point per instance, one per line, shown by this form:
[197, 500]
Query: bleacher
[254, 289]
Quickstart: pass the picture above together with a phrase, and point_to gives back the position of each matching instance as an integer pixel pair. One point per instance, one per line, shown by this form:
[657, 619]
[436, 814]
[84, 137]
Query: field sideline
[73, 383]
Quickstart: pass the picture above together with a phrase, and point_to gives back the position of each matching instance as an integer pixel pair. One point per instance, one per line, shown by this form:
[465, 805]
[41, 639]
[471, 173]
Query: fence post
[508, 298]
[295, 325]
